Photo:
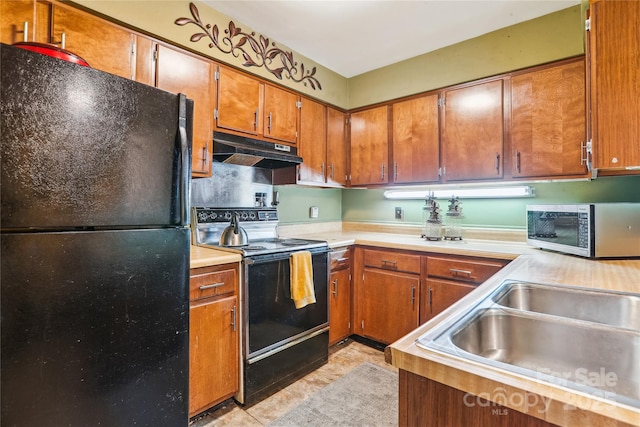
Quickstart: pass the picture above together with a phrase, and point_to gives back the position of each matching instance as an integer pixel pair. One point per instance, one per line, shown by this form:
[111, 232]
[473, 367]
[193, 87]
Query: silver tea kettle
[234, 235]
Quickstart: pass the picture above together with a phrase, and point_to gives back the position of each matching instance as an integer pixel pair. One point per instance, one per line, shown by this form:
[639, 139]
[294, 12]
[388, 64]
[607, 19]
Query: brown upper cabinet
[370, 146]
[180, 72]
[105, 46]
[313, 141]
[614, 54]
[18, 21]
[548, 129]
[472, 132]
[416, 140]
[336, 147]
[248, 106]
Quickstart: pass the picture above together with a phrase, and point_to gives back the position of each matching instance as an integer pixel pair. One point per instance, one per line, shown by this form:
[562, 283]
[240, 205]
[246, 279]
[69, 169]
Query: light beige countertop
[563, 406]
[205, 257]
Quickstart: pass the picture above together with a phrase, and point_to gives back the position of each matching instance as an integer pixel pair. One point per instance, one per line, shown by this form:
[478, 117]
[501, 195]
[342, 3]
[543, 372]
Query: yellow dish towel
[302, 291]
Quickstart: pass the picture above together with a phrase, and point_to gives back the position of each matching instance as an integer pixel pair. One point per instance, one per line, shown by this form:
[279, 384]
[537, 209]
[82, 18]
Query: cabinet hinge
[347, 121]
[299, 104]
[363, 277]
[349, 325]
[155, 55]
[439, 171]
[215, 114]
[441, 102]
[216, 75]
[587, 24]
[363, 325]
[133, 48]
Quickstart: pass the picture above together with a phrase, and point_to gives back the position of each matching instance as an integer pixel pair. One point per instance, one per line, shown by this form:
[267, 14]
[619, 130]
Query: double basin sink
[578, 338]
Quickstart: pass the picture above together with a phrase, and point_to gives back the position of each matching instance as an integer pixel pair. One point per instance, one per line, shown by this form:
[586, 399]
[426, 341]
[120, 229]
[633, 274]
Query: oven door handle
[261, 259]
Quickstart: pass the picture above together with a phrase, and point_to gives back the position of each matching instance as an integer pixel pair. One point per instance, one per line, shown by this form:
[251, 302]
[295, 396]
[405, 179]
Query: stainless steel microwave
[592, 230]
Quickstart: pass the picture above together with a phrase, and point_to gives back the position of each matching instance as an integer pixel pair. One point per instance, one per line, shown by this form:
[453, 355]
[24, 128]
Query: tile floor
[343, 357]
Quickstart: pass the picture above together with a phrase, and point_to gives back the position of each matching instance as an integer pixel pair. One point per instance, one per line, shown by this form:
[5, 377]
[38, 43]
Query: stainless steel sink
[609, 308]
[572, 337]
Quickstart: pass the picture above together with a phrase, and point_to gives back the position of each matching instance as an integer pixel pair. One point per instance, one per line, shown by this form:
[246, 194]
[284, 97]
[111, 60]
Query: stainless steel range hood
[239, 150]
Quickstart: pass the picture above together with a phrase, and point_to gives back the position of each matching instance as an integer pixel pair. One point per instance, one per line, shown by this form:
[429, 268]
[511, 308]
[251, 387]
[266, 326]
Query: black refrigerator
[94, 247]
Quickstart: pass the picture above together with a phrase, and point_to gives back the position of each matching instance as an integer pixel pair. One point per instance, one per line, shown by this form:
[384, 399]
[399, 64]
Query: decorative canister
[453, 225]
[431, 220]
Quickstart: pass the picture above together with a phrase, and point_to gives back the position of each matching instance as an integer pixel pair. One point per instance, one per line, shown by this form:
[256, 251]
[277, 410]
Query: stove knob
[252, 215]
[244, 215]
[227, 215]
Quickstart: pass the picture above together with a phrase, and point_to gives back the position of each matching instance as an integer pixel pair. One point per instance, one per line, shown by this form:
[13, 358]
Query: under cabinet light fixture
[463, 193]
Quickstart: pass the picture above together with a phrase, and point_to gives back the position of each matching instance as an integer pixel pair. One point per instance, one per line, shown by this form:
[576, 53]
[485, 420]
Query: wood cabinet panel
[388, 260]
[467, 270]
[336, 147]
[280, 121]
[238, 102]
[105, 46]
[339, 305]
[389, 305]
[16, 17]
[614, 55]
[145, 61]
[369, 146]
[472, 135]
[438, 295]
[548, 125]
[427, 403]
[212, 281]
[180, 72]
[214, 363]
[416, 140]
[313, 141]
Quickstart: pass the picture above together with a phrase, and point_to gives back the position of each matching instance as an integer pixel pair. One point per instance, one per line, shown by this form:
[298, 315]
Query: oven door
[271, 318]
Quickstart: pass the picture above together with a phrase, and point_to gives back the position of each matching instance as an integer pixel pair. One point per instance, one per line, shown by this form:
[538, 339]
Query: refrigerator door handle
[185, 172]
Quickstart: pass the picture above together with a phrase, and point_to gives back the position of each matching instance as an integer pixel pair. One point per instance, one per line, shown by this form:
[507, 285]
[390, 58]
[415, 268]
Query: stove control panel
[214, 215]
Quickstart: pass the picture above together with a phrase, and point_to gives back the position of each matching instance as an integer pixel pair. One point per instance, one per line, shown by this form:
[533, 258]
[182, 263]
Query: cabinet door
[103, 45]
[389, 305]
[313, 141]
[416, 140]
[336, 147]
[180, 72]
[370, 146]
[472, 136]
[548, 121]
[280, 115]
[238, 102]
[339, 305]
[214, 362]
[615, 83]
[438, 295]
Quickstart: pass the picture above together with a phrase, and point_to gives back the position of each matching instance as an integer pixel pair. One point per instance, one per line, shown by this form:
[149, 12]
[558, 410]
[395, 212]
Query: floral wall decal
[256, 51]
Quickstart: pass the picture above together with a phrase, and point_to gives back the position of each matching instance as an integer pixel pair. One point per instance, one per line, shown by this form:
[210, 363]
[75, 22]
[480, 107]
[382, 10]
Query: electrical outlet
[399, 213]
[313, 212]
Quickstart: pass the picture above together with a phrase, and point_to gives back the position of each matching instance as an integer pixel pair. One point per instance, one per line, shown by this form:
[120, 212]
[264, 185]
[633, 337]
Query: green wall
[371, 206]
[295, 202]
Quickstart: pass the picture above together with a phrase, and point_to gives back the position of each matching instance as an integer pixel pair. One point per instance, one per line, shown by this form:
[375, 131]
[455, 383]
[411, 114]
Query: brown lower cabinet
[340, 295]
[214, 362]
[428, 403]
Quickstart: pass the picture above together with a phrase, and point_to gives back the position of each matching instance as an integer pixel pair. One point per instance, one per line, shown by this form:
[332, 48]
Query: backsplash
[231, 186]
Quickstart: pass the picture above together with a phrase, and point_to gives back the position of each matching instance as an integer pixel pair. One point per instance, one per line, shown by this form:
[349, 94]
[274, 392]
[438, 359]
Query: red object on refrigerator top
[52, 50]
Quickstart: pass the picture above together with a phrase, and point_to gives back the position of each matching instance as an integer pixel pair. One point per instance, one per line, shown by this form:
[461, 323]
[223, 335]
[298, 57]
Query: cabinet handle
[233, 318]
[255, 120]
[25, 36]
[429, 297]
[270, 121]
[518, 161]
[497, 164]
[455, 272]
[335, 288]
[382, 175]
[299, 173]
[331, 167]
[395, 172]
[204, 155]
[386, 262]
[584, 154]
[413, 295]
[342, 259]
[214, 285]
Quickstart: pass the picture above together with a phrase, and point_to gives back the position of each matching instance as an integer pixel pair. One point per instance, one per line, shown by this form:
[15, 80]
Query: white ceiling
[351, 37]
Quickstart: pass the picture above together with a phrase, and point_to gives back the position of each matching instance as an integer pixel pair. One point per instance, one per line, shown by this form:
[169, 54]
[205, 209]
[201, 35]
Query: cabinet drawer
[208, 282]
[392, 261]
[474, 271]
[340, 259]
